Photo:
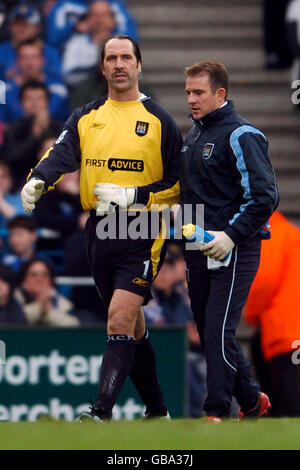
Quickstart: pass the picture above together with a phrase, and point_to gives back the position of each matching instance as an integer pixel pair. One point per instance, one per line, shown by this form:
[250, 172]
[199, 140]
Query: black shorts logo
[207, 151]
[124, 164]
[140, 282]
[141, 128]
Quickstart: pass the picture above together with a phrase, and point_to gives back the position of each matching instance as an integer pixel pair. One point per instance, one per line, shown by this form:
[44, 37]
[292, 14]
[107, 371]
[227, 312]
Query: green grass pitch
[180, 434]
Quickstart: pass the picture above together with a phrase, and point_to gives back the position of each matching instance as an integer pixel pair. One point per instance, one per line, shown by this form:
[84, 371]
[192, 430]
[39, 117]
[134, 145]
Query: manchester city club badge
[141, 128]
[207, 151]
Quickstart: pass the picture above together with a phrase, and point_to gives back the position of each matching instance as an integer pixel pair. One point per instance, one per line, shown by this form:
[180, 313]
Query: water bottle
[195, 234]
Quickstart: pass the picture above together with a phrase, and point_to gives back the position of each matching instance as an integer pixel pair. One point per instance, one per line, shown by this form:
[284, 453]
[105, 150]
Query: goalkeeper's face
[120, 66]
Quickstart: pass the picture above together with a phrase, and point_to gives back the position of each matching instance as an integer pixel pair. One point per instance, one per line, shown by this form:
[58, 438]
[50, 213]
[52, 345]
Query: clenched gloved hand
[111, 194]
[31, 193]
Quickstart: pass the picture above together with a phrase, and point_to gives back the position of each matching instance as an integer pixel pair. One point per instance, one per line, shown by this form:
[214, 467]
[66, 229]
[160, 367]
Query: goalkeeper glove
[112, 194]
[31, 193]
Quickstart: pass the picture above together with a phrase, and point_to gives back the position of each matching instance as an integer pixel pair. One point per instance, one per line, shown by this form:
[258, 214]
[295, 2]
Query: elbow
[272, 200]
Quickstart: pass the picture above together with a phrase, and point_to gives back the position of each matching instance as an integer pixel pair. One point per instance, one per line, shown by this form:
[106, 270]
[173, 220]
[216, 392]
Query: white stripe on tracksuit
[226, 312]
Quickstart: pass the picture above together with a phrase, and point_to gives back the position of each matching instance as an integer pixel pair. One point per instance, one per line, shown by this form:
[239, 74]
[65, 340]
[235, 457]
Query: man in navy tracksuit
[226, 168]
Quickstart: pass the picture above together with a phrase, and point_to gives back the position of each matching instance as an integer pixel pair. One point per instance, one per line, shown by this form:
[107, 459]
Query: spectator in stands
[47, 6]
[10, 203]
[63, 20]
[11, 312]
[274, 305]
[5, 8]
[81, 53]
[30, 67]
[69, 16]
[22, 240]
[126, 24]
[277, 51]
[59, 210]
[41, 302]
[170, 306]
[23, 138]
[25, 23]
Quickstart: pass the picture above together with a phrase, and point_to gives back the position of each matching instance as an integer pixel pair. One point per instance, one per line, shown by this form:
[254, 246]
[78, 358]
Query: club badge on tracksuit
[207, 151]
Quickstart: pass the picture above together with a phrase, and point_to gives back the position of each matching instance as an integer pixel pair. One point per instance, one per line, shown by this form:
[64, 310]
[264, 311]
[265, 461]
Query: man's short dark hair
[31, 42]
[217, 72]
[33, 85]
[136, 49]
[22, 221]
[24, 268]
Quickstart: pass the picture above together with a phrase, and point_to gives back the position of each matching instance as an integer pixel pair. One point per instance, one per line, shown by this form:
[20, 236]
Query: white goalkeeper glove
[31, 193]
[112, 194]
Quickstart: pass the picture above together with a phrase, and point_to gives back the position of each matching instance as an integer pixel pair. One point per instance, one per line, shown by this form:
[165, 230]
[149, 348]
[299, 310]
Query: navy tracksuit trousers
[217, 299]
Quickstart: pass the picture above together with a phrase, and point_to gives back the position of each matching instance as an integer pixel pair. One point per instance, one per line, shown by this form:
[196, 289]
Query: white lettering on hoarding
[75, 370]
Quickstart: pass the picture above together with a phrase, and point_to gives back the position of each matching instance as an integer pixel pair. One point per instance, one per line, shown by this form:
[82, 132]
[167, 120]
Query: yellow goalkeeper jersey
[133, 143]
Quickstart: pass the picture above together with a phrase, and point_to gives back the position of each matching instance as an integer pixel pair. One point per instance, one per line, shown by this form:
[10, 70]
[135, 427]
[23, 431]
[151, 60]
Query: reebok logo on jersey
[123, 164]
[98, 125]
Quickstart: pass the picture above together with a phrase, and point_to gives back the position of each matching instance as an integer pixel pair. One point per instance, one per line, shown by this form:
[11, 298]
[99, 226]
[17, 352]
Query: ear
[222, 93]
[139, 67]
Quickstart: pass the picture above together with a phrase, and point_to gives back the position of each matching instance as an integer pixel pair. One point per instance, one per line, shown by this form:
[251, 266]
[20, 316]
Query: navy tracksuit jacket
[226, 167]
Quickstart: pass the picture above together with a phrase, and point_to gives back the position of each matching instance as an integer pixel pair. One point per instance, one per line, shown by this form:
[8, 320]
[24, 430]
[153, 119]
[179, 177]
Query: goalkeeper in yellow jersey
[127, 147]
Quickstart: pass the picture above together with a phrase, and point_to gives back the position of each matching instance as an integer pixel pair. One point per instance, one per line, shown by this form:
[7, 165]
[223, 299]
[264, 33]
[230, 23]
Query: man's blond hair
[217, 72]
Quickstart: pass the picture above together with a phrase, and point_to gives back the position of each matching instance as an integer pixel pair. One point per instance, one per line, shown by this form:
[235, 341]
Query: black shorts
[126, 264]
